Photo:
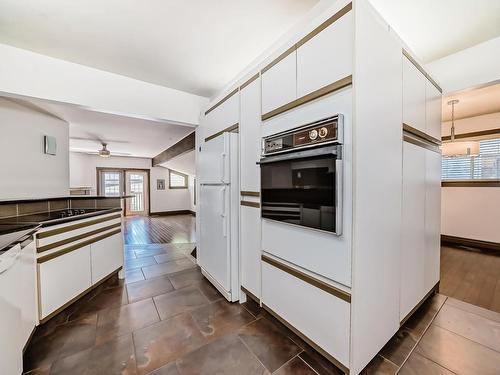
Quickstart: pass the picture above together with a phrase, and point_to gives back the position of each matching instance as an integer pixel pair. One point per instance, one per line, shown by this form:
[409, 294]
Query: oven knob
[313, 134]
[323, 132]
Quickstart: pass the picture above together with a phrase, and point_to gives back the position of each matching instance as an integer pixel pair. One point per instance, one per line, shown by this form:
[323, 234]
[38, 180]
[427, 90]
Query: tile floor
[165, 318]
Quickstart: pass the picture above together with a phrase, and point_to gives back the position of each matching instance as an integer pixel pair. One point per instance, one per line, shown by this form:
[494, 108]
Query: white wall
[35, 75]
[26, 172]
[83, 173]
[470, 67]
[471, 212]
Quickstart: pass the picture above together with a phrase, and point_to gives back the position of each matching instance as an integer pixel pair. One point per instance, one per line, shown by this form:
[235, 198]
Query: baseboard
[174, 212]
[478, 244]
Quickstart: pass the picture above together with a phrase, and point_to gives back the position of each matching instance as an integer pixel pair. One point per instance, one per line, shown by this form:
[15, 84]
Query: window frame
[186, 179]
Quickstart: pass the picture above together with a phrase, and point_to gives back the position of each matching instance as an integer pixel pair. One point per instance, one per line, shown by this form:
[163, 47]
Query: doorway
[114, 182]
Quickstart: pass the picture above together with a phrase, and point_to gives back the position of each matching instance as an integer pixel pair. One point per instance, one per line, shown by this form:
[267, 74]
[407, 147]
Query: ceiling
[474, 102]
[436, 28]
[191, 45]
[125, 136]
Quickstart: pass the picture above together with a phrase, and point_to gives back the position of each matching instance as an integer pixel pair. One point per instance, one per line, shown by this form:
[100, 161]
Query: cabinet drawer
[279, 83]
[106, 256]
[320, 316]
[63, 278]
[327, 57]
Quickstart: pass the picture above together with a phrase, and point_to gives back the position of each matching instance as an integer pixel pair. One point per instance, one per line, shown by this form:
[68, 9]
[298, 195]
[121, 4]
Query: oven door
[304, 188]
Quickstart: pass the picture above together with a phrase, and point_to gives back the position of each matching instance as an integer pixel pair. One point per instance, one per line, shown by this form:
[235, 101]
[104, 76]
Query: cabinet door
[432, 219]
[279, 83]
[224, 115]
[413, 96]
[250, 142]
[413, 228]
[250, 251]
[327, 57]
[63, 278]
[433, 110]
[106, 256]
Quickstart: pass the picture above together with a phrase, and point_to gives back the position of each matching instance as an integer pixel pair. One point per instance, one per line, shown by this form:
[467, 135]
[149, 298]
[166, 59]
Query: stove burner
[71, 212]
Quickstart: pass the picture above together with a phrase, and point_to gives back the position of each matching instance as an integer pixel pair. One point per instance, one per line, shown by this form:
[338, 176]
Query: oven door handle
[339, 183]
[332, 150]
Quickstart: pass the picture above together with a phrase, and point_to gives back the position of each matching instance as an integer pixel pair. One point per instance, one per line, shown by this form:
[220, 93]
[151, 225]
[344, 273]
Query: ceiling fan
[103, 151]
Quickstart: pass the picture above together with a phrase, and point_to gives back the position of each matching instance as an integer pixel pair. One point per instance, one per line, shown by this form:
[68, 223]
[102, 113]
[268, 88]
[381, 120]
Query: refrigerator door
[214, 250]
[214, 161]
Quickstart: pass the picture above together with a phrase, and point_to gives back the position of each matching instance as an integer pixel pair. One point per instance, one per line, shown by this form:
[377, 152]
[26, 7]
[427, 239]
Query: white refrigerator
[219, 212]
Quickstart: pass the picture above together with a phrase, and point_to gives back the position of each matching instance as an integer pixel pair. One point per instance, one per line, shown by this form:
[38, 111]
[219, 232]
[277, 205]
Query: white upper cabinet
[224, 115]
[279, 83]
[414, 83]
[250, 143]
[327, 57]
[433, 110]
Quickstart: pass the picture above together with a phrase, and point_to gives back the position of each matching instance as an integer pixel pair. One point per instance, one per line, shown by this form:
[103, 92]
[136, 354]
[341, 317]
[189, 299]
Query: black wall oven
[301, 176]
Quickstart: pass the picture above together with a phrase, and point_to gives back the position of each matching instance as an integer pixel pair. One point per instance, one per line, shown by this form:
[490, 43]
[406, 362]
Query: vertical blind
[484, 166]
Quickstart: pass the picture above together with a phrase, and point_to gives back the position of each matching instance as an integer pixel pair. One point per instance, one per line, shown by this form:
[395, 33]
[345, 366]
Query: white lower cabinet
[250, 251]
[320, 316]
[106, 256]
[63, 278]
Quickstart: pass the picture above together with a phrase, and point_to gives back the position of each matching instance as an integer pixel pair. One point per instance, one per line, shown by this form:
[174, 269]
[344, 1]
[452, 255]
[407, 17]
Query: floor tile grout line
[472, 312]
[388, 360]
[291, 359]
[251, 351]
[307, 364]
[421, 337]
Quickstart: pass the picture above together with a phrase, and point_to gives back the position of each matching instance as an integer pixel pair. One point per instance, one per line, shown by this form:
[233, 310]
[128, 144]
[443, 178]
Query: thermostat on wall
[50, 145]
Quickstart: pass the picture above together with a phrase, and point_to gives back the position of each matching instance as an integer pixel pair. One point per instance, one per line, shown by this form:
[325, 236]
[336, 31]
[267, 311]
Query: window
[485, 166]
[111, 183]
[177, 180]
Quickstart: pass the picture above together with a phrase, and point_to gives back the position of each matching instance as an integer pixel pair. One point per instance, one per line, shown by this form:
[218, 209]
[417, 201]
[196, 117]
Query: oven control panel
[323, 131]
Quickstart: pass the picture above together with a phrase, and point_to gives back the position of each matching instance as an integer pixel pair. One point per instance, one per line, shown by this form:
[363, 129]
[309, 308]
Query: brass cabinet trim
[249, 193]
[250, 204]
[69, 228]
[410, 129]
[77, 246]
[279, 58]
[419, 67]
[221, 101]
[74, 299]
[309, 279]
[250, 294]
[253, 78]
[480, 133]
[435, 289]
[228, 129]
[310, 342]
[328, 89]
[66, 241]
[420, 143]
[325, 24]
[471, 183]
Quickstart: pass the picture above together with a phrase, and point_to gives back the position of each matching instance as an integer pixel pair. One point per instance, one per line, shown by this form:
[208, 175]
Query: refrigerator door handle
[223, 210]
[223, 166]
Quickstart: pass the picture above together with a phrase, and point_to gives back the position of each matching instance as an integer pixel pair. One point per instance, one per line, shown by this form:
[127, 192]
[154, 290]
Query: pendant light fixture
[462, 148]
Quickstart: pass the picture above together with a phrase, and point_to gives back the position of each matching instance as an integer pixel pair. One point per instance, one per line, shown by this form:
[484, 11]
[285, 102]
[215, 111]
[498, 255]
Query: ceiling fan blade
[97, 140]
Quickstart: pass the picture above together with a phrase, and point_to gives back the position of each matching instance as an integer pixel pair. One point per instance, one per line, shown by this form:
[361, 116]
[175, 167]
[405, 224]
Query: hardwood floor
[471, 276]
[140, 230]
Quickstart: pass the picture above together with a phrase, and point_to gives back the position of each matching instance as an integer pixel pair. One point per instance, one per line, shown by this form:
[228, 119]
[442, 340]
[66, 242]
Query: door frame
[123, 182]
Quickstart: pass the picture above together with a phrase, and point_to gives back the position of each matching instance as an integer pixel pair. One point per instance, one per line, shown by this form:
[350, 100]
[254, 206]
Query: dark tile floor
[169, 320]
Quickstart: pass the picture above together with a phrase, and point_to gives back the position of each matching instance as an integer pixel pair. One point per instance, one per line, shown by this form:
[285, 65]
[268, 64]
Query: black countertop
[13, 234]
[30, 200]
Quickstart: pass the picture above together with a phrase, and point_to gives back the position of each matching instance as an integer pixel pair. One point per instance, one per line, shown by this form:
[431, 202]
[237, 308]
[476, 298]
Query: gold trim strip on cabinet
[76, 238]
[248, 193]
[328, 89]
[77, 246]
[325, 24]
[421, 134]
[250, 204]
[68, 228]
[100, 282]
[420, 143]
[419, 67]
[310, 342]
[228, 129]
[221, 101]
[308, 279]
[278, 59]
[250, 294]
[249, 81]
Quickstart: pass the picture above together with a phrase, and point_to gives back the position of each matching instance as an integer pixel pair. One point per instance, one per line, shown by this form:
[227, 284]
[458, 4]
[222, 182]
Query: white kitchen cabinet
[432, 219]
[433, 110]
[413, 228]
[106, 256]
[63, 278]
[250, 138]
[279, 83]
[250, 249]
[327, 57]
[224, 115]
[414, 101]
